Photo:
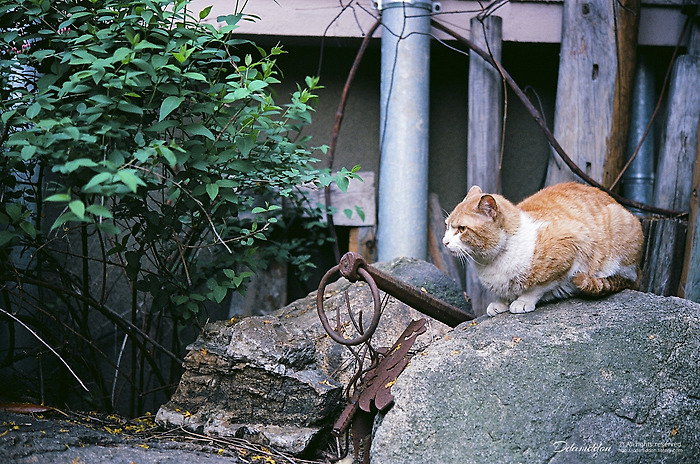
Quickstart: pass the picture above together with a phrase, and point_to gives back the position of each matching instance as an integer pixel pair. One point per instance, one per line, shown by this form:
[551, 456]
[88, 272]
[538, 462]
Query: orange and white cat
[563, 240]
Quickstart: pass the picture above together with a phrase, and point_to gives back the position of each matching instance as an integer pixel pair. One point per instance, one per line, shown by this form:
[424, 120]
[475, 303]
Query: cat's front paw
[496, 307]
[520, 306]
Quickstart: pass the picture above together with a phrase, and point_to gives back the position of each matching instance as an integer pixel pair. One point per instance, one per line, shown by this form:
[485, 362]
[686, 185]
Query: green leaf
[195, 76]
[99, 210]
[342, 183]
[28, 227]
[256, 85]
[28, 151]
[15, 211]
[102, 99]
[63, 218]
[78, 208]
[245, 144]
[212, 191]
[348, 212]
[169, 105]
[168, 154]
[130, 179]
[130, 108]
[74, 165]
[205, 12]
[219, 293]
[121, 54]
[6, 115]
[6, 236]
[184, 53]
[33, 110]
[63, 197]
[199, 129]
[96, 180]
[108, 228]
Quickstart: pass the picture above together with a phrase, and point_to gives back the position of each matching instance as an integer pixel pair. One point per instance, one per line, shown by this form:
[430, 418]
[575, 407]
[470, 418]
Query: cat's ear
[475, 190]
[487, 205]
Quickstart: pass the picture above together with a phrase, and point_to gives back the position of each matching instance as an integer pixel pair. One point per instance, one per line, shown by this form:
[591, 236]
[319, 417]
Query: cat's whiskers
[465, 257]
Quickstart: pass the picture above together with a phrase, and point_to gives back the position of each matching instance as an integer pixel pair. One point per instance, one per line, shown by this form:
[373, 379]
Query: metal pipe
[404, 109]
[638, 180]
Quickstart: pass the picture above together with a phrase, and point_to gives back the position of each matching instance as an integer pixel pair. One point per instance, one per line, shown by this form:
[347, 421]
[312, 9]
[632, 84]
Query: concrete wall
[533, 66]
[526, 150]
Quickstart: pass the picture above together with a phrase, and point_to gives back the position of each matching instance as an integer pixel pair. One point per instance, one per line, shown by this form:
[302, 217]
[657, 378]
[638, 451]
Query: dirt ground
[58, 437]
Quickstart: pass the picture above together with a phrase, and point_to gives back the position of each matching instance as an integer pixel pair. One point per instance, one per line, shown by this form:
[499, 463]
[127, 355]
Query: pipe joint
[433, 7]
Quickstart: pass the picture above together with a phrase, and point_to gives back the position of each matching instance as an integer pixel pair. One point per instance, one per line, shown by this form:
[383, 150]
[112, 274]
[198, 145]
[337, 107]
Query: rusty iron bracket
[353, 267]
[373, 393]
[375, 388]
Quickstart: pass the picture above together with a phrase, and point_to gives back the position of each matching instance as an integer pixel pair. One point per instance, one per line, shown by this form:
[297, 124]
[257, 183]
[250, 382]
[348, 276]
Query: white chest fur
[505, 275]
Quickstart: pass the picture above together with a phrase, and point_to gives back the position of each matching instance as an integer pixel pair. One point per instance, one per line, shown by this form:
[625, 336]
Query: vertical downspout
[403, 132]
[638, 180]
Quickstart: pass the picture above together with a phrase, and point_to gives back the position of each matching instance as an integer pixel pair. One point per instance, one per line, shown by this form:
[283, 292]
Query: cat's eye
[461, 229]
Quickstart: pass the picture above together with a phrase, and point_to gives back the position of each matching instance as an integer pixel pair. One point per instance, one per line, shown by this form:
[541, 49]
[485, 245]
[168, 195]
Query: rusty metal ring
[322, 314]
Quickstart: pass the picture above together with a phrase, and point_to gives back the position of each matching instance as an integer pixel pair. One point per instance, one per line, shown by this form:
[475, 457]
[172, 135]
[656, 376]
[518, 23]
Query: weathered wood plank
[690, 278]
[438, 254]
[359, 193]
[594, 88]
[662, 257]
[362, 240]
[485, 106]
[679, 136]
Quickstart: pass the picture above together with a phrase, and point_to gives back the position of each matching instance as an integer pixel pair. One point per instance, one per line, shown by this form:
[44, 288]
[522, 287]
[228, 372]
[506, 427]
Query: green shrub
[139, 140]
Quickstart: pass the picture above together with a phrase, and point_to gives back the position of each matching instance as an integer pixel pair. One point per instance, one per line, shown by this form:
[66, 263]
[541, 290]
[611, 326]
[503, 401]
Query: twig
[116, 371]
[47, 346]
[336, 131]
[112, 315]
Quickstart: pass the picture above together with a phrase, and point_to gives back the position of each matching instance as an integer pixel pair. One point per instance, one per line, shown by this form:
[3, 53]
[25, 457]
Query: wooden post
[679, 136]
[485, 101]
[674, 173]
[485, 104]
[438, 254]
[690, 277]
[596, 71]
[662, 257]
[362, 240]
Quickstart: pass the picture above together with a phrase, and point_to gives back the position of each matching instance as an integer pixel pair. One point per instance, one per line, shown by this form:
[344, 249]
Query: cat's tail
[591, 285]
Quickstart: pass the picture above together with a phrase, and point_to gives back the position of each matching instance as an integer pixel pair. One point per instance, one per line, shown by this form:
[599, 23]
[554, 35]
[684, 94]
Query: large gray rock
[278, 379]
[613, 380]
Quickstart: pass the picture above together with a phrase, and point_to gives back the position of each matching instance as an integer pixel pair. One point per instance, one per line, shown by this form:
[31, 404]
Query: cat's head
[478, 226]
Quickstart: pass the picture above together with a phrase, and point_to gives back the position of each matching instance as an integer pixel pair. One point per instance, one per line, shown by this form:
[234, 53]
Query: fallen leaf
[24, 408]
